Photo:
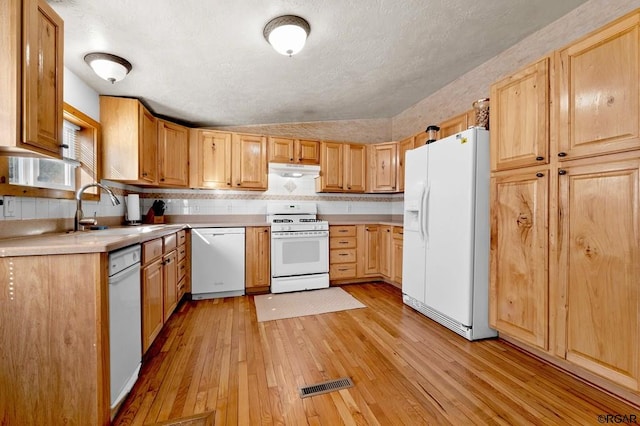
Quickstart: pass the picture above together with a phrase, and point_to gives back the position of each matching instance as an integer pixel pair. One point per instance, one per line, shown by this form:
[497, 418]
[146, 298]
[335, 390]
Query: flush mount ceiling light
[287, 34]
[109, 67]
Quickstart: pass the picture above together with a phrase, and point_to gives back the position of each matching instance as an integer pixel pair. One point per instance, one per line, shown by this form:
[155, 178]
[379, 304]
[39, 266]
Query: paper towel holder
[132, 210]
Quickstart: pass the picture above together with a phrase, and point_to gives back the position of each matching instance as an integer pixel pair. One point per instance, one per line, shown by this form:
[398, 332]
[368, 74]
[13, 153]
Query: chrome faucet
[80, 220]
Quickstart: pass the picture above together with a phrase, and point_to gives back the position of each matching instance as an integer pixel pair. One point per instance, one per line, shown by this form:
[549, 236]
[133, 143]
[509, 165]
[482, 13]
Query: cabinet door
[599, 92]
[308, 151]
[210, 159]
[281, 150]
[368, 250]
[249, 161]
[519, 289]
[152, 314]
[42, 77]
[258, 259]
[520, 118]
[599, 239]
[170, 283]
[385, 251]
[453, 125]
[384, 167]
[331, 166]
[403, 146]
[420, 139]
[148, 146]
[173, 152]
[396, 255]
[355, 165]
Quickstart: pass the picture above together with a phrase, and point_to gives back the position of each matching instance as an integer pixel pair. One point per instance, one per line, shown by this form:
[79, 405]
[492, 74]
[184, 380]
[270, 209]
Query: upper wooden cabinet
[297, 151]
[456, 124]
[342, 167]
[383, 167]
[31, 65]
[420, 139]
[403, 146]
[599, 91]
[249, 161]
[520, 118]
[129, 141]
[173, 154]
[210, 154]
[519, 287]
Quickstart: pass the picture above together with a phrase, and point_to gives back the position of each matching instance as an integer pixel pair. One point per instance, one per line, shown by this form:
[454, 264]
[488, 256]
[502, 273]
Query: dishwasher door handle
[119, 277]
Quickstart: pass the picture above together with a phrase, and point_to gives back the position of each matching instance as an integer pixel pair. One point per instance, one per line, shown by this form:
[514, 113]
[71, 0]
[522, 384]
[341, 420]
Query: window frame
[89, 134]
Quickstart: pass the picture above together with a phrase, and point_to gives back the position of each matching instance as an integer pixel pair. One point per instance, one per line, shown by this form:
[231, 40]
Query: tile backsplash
[211, 202]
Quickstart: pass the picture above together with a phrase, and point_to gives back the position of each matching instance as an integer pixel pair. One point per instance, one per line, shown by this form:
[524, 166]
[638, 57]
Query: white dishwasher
[217, 262]
[125, 327]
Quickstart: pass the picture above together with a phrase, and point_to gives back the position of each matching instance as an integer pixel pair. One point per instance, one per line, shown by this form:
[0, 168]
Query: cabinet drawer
[340, 271]
[342, 231]
[182, 269]
[182, 288]
[182, 252]
[342, 256]
[151, 250]
[169, 242]
[342, 242]
[182, 237]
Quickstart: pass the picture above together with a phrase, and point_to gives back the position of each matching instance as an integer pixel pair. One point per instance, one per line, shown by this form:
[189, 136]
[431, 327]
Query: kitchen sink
[130, 230]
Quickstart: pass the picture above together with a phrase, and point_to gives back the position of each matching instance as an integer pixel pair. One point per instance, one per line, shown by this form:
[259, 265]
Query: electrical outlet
[9, 202]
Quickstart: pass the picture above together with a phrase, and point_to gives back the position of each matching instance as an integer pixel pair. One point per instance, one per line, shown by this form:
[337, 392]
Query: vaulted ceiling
[207, 63]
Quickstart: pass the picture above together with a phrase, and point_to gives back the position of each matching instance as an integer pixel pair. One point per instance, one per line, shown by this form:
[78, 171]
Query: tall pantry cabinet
[565, 237]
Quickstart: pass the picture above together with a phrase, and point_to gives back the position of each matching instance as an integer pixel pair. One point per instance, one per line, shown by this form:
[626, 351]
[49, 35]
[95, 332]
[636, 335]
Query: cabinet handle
[291, 159]
[539, 174]
[213, 145]
[343, 242]
[228, 183]
[266, 230]
[388, 230]
[343, 230]
[366, 229]
[562, 154]
[64, 145]
[238, 183]
[348, 187]
[562, 172]
[382, 164]
[161, 179]
[144, 173]
[539, 158]
[343, 254]
[300, 159]
[342, 269]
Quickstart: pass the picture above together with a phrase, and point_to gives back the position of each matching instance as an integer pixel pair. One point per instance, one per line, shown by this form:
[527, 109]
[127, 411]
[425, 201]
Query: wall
[457, 97]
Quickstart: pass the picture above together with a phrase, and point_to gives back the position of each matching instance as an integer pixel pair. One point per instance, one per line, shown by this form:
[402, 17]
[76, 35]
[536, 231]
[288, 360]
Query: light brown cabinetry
[403, 146]
[383, 167]
[397, 244]
[368, 250]
[297, 151]
[456, 124]
[224, 160]
[173, 154]
[570, 293]
[169, 275]
[519, 290]
[385, 250]
[258, 259]
[210, 159]
[599, 240]
[184, 265]
[129, 141]
[31, 65]
[249, 161]
[342, 167]
[55, 339]
[599, 91]
[342, 252]
[520, 118]
[152, 292]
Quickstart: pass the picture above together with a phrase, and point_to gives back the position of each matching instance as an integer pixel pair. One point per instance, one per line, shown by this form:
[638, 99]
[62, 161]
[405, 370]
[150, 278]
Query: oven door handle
[275, 236]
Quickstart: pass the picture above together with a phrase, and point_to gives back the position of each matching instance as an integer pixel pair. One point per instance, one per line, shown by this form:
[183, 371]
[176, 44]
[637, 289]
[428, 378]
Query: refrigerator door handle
[424, 222]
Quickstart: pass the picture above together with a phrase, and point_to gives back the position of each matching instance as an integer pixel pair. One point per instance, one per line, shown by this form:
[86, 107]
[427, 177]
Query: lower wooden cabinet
[152, 301]
[519, 287]
[342, 252]
[257, 259]
[360, 253]
[164, 281]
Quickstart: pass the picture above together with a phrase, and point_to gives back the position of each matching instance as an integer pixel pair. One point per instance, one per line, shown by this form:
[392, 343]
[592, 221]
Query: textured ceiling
[207, 63]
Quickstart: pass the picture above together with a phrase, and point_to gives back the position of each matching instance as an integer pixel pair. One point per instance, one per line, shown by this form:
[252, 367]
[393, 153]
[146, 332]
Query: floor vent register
[325, 387]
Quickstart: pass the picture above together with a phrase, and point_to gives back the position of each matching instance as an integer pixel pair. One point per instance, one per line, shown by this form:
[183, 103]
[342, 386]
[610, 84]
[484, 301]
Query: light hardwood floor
[213, 356]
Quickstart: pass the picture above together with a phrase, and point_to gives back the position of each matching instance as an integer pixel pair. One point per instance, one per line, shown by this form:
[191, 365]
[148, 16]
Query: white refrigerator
[445, 265]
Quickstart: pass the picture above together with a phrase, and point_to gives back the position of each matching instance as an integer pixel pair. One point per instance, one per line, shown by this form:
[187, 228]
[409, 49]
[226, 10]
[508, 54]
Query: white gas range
[299, 247]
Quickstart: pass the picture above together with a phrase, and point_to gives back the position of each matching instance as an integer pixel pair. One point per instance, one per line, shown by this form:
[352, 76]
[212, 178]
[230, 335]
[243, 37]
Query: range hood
[294, 170]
